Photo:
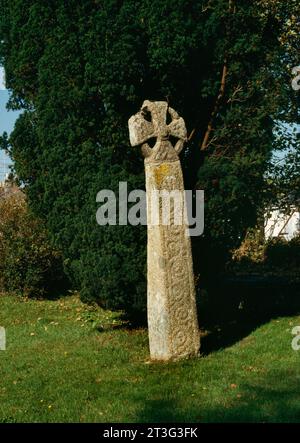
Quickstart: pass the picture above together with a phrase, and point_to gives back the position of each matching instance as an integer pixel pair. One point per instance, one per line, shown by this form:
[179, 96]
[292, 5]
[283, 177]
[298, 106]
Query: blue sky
[7, 121]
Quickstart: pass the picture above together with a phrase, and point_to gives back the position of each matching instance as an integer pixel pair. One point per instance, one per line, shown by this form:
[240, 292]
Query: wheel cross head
[159, 122]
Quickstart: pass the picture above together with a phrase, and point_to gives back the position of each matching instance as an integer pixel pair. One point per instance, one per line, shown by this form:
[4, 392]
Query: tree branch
[216, 107]
[204, 145]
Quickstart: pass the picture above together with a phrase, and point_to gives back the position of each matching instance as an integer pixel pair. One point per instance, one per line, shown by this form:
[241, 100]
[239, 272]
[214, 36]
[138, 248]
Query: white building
[278, 224]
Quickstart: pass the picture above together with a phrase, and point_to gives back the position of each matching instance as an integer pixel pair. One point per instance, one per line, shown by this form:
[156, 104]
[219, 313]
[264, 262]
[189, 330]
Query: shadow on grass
[161, 411]
[254, 404]
[272, 398]
[257, 404]
[231, 309]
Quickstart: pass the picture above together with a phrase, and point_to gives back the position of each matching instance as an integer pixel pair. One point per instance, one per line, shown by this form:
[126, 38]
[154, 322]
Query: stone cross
[172, 317]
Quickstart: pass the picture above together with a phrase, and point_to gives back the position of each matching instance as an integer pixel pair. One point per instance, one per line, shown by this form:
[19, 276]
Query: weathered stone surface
[2, 339]
[172, 317]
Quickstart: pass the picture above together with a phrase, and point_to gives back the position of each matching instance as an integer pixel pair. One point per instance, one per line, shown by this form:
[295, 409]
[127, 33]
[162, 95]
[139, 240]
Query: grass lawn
[66, 362]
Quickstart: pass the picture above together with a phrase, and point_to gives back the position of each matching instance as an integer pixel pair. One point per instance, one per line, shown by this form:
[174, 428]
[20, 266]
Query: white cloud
[2, 79]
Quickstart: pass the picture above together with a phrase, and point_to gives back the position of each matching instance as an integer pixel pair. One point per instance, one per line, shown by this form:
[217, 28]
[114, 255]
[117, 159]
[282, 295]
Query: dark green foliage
[29, 265]
[283, 254]
[80, 69]
[272, 260]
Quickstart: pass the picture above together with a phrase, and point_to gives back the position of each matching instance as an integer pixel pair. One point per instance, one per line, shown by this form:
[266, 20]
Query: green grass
[68, 363]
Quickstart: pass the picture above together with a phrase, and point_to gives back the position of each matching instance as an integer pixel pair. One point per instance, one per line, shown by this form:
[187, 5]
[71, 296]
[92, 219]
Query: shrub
[276, 256]
[252, 249]
[28, 264]
[283, 253]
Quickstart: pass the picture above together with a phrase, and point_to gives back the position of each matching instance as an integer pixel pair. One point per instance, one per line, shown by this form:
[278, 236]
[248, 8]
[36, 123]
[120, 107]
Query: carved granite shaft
[172, 316]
